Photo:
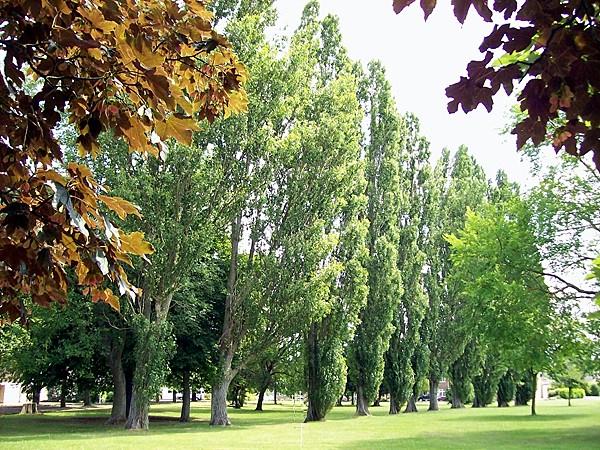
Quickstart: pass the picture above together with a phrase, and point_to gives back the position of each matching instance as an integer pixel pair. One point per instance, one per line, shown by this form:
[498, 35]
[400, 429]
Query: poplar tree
[385, 284]
[401, 358]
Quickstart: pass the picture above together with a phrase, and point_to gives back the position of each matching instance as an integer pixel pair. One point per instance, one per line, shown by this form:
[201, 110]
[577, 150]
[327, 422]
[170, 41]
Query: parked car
[423, 398]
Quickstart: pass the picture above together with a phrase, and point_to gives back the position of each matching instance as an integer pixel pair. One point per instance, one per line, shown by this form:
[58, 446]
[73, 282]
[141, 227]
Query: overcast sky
[422, 59]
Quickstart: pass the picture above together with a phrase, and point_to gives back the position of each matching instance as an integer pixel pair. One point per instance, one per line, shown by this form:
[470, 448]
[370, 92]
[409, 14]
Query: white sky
[422, 59]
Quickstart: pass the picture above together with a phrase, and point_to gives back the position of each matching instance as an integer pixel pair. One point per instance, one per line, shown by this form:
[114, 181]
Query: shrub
[594, 390]
[575, 392]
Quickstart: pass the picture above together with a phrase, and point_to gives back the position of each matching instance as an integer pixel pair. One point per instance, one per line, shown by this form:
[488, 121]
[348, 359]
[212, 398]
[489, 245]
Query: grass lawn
[280, 426]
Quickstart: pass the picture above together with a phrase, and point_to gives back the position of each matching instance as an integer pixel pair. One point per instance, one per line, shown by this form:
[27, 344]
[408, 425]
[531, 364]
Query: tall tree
[457, 186]
[308, 132]
[329, 333]
[496, 257]
[402, 360]
[385, 284]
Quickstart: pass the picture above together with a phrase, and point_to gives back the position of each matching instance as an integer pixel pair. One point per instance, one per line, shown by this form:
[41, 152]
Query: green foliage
[154, 344]
[594, 390]
[384, 199]
[563, 392]
[506, 389]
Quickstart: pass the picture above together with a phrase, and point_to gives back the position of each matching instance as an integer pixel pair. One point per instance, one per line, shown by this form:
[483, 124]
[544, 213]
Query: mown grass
[280, 426]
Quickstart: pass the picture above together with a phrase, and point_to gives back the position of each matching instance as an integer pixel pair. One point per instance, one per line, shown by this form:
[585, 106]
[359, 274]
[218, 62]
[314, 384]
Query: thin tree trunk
[433, 395]
[533, 389]
[570, 391]
[274, 394]
[194, 396]
[118, 412]
[261, 397]
[411, 406]
[394, 405]
[63, 394]
[362, 403]
[229, 339]
[174, 396]
[128, 391]
[185, 406]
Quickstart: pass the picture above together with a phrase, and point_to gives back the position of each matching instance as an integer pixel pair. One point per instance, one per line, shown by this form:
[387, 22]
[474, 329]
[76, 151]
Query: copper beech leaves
[145, 70]
[553, 48]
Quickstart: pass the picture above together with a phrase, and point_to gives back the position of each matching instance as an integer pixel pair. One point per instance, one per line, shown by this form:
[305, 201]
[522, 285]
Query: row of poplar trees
[322, 216]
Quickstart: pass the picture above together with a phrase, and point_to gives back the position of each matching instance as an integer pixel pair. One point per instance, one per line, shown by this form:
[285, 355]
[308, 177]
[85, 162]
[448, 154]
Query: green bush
[575, 392]
[594, 390]
[552, 393]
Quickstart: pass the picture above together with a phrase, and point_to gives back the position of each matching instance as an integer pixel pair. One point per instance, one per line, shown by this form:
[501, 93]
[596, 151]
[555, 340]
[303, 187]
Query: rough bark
[185, 406]
[362, 403]
[411, 406]
[314, 412]
[118, 412]
[218, 403]
[394, 405]
[433, 395]
[138, 412]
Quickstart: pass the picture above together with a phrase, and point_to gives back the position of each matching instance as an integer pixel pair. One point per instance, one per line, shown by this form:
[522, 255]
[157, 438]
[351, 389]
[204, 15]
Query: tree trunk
[362, 403]
[377, 401]
[128, 391]
[30, 408]
[433, 395]
[174, 396]
[411, 406]
[118, 412]
[274, 394]
[533, 389]
[569, 395]
[185, 406]
[456, 401]
[352, 399]
[394, 405]
[477, 403]
[194, 396]
[316, 407]
[218, 403]
[339, 401]
[138, 412]
[261, 397]
[87, 397]
[63, 394]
